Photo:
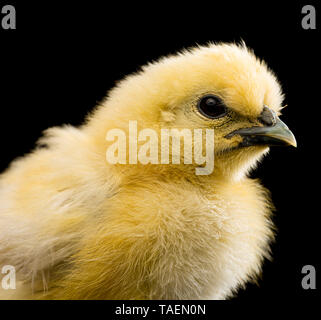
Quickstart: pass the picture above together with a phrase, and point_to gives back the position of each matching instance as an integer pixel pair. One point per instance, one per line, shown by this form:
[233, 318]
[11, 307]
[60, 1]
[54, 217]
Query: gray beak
[274, 132]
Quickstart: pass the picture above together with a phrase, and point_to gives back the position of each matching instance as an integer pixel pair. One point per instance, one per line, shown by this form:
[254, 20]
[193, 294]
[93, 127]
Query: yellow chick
[75, 225]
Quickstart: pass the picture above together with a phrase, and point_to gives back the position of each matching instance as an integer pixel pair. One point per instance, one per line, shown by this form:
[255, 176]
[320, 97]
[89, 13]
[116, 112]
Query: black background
[62, 59]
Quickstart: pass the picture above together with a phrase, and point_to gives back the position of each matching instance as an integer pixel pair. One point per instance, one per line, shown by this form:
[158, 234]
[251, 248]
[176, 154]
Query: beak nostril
[267, 116]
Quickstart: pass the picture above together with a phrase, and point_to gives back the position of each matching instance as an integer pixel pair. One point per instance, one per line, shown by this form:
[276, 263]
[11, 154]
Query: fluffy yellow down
[77, 227]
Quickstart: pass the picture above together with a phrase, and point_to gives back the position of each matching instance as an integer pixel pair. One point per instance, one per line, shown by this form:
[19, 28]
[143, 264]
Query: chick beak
[274, 132]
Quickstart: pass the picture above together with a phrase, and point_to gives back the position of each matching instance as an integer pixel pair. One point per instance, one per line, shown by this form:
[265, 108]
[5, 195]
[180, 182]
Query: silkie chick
[76, 226]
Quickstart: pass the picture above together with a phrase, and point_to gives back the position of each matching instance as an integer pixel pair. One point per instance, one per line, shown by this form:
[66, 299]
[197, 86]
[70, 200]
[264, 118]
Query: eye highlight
[212, 107]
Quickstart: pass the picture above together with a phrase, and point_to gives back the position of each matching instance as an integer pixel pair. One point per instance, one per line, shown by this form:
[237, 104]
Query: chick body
[76, 227]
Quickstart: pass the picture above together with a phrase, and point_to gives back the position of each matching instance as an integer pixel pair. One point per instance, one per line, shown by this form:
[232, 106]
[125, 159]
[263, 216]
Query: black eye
[212, 107]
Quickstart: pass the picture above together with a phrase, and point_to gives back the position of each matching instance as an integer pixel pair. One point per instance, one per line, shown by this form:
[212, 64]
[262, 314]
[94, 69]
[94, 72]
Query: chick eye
[212, 107]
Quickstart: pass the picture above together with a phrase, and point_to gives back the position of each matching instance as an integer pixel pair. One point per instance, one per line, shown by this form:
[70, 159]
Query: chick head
[222, 87]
